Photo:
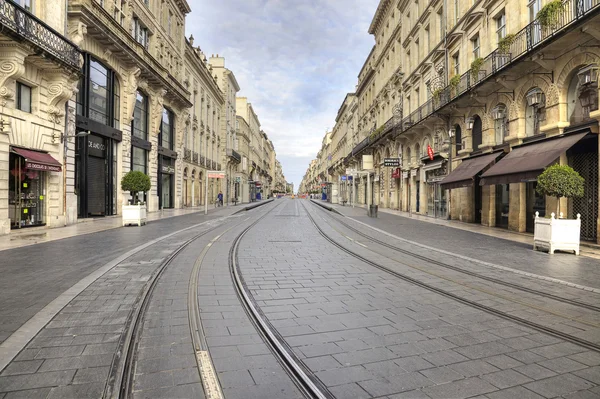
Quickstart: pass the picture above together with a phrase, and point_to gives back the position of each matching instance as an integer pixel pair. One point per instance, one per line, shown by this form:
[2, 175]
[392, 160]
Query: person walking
[220, 198]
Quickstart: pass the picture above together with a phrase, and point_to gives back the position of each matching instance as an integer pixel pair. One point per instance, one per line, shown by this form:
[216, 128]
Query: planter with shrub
[135, 182]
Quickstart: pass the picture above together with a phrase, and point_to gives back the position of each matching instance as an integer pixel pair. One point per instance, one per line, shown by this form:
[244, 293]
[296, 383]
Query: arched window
[500, 116]
[408, 156]
[98, 96]
[535, 111]
[476, 133]
[139, 129]
[417, 152]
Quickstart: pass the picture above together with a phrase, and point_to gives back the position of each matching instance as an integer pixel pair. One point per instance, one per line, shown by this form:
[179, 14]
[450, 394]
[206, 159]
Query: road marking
[209, 378]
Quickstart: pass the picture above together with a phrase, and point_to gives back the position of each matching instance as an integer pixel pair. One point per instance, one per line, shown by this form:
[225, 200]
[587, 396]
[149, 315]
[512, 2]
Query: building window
[456, 63]
[534, 8]
[98, 95]
[475, 45]
[165, 137]
[427, 40]
[139, 32]
[440, 16]
[169, 22]
[118, 12]
[139, 159]
[139, 125]
[26, 4]
[500, 26]
[23, 97]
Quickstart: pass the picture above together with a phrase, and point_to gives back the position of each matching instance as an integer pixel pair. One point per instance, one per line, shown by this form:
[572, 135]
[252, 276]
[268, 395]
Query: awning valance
[464, 174]
[36, 160]
[526, 162]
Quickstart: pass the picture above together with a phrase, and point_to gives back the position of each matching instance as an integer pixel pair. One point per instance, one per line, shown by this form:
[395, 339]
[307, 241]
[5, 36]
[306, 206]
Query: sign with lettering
[405, 175]
[40, 166]
[216, 175]
[96, 146]
[391, 162]
[168, 169]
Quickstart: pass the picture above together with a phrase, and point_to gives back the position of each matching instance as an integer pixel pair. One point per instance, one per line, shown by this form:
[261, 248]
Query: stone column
[488, 209]
[517, 212]
[4, 176]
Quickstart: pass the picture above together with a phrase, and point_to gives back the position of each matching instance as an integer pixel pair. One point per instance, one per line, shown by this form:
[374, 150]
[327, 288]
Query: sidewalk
[36, 235]
[590, 248]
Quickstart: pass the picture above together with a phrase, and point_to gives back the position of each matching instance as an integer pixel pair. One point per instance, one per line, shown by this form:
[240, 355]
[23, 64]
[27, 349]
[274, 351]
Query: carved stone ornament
[130, 90]
[60, 89]
[10, 69]
[157, 109]
[77, 32]
[552, 95]
[513, 110]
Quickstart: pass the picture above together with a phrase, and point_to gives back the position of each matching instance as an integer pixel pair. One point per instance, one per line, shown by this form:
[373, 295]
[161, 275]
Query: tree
[135, 182]
[560, 181]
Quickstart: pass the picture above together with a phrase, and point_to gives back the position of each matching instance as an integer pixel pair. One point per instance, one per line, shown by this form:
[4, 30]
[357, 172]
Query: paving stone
[559, 385]
[506, 378]
[321, 363]
[588, 394]
[320, 349]
[526, 357]
[36, 380]
[487, 349]
[344, 375]
[58, 352]
[23, 367]
[413, 363]
[77, 362]
[400, 383]
[562, 365]
[416, 394]
[77, 391]
[444, 358]
[364, 356]
[514, 392]
[460, 389]
[591, 374]
[441, 375]
[349, 391]
[535, 371]
[95, 374]
[41, 393]
[558, 350]
[180, 391]
[588, 358]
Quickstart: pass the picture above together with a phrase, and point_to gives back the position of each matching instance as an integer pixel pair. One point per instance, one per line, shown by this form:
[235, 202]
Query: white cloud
[295, 60]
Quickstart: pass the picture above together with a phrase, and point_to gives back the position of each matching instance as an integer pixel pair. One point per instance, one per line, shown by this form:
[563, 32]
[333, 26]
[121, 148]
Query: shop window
[26, 194]
[98, 96]
[139, 160]
[23, 97]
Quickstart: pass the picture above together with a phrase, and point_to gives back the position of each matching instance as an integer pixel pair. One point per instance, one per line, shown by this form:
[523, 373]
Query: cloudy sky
[295, 60]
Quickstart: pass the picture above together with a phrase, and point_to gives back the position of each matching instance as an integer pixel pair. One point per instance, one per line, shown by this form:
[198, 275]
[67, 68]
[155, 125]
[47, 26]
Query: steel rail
[504, 315]
[470, 273]
[303, 378]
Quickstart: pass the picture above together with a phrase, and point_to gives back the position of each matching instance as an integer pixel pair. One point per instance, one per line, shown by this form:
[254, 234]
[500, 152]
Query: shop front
[166, 179]
[96, 169]
[27, 186]
[435, 172]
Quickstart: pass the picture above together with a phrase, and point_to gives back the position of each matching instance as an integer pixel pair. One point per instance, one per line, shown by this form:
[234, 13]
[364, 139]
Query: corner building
[40, 70]
[476, 99]
[130, 100]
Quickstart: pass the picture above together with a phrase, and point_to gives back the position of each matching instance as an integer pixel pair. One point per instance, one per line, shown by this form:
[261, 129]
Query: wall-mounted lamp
[498, 113]
[535, 97]
[588, 74]
[469, 122]
[63, 137]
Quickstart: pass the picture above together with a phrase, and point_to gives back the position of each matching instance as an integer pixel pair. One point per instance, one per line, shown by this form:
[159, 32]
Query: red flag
[430, 152]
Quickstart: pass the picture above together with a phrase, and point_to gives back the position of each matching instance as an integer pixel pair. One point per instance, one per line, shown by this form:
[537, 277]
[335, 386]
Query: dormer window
[139, 32]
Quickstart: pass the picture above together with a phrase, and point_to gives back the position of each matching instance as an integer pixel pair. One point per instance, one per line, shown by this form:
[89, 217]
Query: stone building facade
[472, 83]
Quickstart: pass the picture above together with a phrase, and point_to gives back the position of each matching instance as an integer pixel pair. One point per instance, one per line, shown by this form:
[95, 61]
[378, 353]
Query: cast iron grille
[587, 206]
[29, 27]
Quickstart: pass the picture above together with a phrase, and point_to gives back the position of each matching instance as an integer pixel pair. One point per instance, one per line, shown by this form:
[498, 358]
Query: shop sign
[167, 169]
[391, 162]
[413, 173]
[430, 152]
[405, 175]
[217, 175]
[96, 146]
[343, 178]
[238, 179]
[40, 166]
[396, 173]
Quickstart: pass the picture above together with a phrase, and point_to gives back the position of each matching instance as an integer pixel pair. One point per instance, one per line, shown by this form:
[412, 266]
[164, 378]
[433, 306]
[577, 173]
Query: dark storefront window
[139, 160]
[26, 194]
[502, 205]
[535, 203]
[166, 182]
[98, 106]
[165, 138]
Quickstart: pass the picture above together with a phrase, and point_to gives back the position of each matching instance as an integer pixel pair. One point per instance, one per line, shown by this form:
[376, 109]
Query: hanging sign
[396, 173]
[430, 152]
[216, 175]
[391, 162]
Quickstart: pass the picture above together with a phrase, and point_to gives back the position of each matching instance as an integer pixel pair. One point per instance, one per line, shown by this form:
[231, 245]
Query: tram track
[507, 316]
[468, 272]
[308, 384]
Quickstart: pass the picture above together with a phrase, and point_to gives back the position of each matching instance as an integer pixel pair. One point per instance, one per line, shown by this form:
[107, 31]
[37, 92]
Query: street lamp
[588, 74]
[469, 122]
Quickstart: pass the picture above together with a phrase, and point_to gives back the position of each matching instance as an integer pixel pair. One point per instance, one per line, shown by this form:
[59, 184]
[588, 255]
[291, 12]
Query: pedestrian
[220, 198]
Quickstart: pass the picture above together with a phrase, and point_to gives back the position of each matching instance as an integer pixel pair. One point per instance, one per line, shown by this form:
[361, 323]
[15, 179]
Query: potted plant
[475, 67]
[135, 182]
[559, 181]
[548, 16]
[505, 43]
[454, 82]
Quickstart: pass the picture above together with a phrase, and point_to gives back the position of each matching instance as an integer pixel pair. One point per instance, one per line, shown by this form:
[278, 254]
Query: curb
[250, 207]
[329, 208]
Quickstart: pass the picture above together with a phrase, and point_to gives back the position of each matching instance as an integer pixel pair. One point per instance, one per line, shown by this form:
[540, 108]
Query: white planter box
[552, 234]
[134, 214]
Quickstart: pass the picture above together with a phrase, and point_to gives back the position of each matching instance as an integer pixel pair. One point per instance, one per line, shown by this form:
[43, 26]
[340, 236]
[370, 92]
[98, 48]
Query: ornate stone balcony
[18, 22]
[234, 155]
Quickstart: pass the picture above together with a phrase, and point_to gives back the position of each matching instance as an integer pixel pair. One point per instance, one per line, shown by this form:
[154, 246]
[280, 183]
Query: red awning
[36, 160]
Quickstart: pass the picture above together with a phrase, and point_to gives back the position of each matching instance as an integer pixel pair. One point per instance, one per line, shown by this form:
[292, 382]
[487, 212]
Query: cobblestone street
[292, 300]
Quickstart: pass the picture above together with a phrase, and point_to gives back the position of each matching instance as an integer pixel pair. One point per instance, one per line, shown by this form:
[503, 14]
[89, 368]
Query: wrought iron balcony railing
[202, 160]
[187, 155]
[214, 165]
[218, 166]
[522, 44]
[26, 25]
[235, 155]
[195, 157]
